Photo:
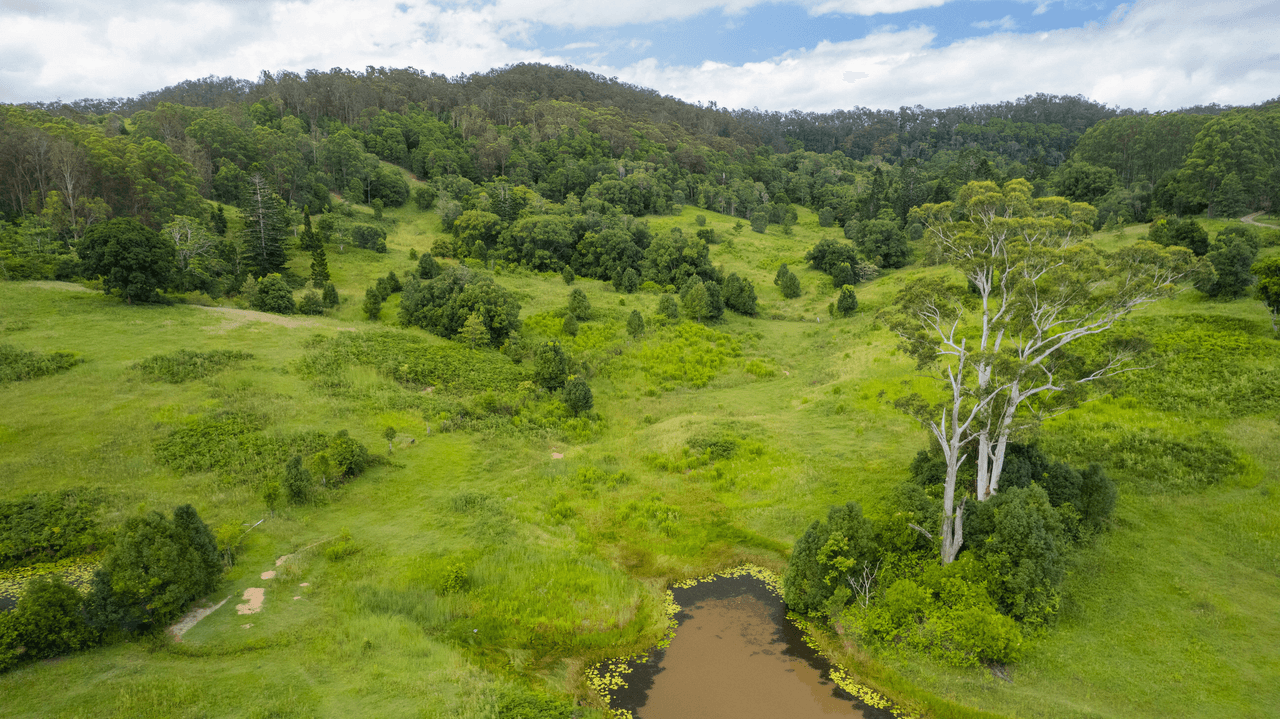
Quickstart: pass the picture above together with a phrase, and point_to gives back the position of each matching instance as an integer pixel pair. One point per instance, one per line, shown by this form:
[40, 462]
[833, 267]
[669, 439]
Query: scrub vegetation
[459, 392]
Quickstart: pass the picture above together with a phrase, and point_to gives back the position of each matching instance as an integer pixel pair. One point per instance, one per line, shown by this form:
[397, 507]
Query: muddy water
[736, 656]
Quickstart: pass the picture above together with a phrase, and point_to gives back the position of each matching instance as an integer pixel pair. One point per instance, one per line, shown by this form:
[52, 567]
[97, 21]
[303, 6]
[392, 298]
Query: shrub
[47, 621]
[424, 198]
[566, 274]
[667, 307]
[49, 526]
[550, 366]
[311, 304]
[630, 281]
[17, 365]
[987, 636]
[186, 365]
[297, 481]
[1024, 552]
[156, 568]
[428, 268]
[443, 305]
[790, 285]
[826, 217]
[347, 457]
[824, 555]
[577, 395]
[372, 304]
[369, 238]
[760, 220]
[740, 295]
[579, 306]
[569, 326]
[848, 302]
[330, 296]
[273, 295]
[635, 324]
[701, 220]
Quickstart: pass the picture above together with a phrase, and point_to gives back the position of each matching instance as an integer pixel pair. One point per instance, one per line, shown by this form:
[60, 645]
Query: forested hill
[505, 93]
[571, 136]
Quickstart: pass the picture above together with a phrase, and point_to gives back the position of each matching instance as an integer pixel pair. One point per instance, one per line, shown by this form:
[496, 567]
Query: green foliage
[550, 366]
[667, 307]
[579, 305]
[740, 295]
[424, 198]
[883, 243]
[428, 268]
[829, 254]
[155, 569]
[311, 304]
[46, 623]
[760, 220]
[570, 325]
[1231, 263]
[297, 481]
[847, 304]
[330, 296]
[686, 354]
[369, 237]
[416, 361]
[131, 258]
[273, 295]
[1268, 274]
[319, 268]
[186, 365]
[635, 323]
[372, 306]
[828, 552]
[443, 305]
[577, 395]
[49, 526]
[567, 275]
[1025, 553]
[17, 365]
[789, 284]
[696, 305]
[1150, 459]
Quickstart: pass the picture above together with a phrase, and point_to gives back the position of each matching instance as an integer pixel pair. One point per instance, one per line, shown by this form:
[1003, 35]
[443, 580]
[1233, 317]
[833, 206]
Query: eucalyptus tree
[1034, 288]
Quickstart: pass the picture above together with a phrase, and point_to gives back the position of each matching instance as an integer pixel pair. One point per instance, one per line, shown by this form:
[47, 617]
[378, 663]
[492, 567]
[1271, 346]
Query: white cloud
[1154, 54]
[1158, 55]
[852, 77]
[1005, 23]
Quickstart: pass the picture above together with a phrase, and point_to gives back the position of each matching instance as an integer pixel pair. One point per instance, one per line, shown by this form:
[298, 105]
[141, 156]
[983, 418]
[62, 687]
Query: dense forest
[927, 335]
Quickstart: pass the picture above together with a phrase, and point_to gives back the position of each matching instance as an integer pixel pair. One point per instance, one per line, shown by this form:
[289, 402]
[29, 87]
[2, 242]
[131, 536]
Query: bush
[369, 237]
[156, 568]
[629, 281]
[297, 481]
[330, 296]
[760, 220]
[790, 285]
[824, 555]
[428, 268]
[739, 295]
[826, 217]
[987, 636]
[577, 395]
[186, 365]
[701, 220]
[372, 304]
[311, 304]
[1024, 552]
[346, 456]
[550, 366]
[635, 324]
[424, 198]
[443, 305]
[579, 306]
[49, 526]
[667, 307]
[47, 621]
[569, 326]
[273, 294]
[848, 302]
[566, 274]
[17, 365]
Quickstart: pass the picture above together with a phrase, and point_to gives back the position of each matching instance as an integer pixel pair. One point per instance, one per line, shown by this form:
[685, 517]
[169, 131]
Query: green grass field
[1176, 612]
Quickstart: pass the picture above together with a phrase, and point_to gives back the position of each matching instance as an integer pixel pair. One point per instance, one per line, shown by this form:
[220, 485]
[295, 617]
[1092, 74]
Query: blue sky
[767, 30]
[794, 54]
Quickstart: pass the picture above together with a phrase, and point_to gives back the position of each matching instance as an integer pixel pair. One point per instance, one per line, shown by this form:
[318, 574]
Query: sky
[812, 55]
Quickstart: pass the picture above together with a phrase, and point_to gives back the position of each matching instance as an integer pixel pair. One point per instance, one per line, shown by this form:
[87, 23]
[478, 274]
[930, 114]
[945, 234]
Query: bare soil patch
[253, 597]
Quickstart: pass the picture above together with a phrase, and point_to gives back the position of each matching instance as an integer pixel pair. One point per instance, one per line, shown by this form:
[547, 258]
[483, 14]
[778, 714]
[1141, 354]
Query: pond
[736, 655]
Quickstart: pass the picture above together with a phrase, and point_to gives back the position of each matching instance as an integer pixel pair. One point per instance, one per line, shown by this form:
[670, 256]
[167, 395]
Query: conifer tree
[319, 267]
[265, 227]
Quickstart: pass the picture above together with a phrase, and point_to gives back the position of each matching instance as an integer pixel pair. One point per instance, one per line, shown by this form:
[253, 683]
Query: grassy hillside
[563, 533]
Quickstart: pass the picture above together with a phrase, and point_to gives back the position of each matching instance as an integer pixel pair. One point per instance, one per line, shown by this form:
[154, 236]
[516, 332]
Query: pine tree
[264, 227]
[848, 301]
[577, 395]
[330, 295]
[790, 285]
[319, 267]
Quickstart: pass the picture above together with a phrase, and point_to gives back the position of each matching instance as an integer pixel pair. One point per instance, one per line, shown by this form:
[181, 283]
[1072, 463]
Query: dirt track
[234, 317]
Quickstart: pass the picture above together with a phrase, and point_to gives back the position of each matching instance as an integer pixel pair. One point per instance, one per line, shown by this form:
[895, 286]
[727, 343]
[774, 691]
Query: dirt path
[191, 618]
[234, 317]
[1252, 220]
